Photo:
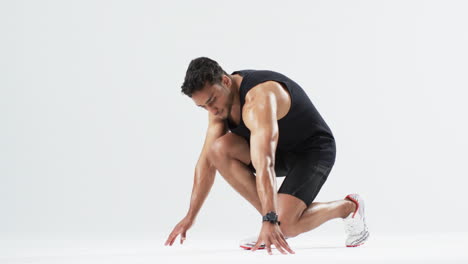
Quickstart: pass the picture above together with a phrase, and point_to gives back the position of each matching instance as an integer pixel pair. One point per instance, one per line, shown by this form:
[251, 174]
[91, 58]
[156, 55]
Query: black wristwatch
[271, 217]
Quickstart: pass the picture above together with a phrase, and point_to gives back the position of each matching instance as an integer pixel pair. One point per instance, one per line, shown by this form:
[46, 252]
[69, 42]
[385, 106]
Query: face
[216, 98]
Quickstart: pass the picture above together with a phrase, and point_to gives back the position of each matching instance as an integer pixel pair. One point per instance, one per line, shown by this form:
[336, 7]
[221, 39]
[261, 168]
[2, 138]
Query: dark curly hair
[200, 71]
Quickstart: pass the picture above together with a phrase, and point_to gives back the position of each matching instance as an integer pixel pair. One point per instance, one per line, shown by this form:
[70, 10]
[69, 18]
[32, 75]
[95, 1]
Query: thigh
[290, 209]
[305, 178]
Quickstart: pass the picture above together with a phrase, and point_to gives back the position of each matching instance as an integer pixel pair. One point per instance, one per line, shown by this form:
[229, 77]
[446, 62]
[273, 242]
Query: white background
[97, 141]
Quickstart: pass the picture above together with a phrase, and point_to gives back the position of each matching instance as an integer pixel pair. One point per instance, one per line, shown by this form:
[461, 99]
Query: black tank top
[301, 130]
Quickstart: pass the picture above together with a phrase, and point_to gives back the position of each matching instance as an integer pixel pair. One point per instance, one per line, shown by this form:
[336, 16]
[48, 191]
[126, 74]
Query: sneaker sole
[355, 245]
[364, 240]
[250, 247]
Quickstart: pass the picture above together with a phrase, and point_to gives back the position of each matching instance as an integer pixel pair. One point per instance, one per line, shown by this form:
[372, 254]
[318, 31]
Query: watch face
[271, 216]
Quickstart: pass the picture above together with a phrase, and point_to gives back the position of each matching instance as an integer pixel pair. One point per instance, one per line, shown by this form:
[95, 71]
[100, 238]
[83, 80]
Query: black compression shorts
[304, 174]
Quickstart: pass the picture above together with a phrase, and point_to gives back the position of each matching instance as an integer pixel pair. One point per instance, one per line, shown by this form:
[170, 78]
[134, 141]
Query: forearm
[203, 181]
[266, 187]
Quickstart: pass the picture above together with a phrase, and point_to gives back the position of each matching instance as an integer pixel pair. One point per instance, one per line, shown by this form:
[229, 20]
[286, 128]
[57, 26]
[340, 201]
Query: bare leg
[298, 219]
[231, 153]
[319, 213]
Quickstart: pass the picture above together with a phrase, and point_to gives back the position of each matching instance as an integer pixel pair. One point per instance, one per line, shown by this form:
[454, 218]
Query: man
[262, 125]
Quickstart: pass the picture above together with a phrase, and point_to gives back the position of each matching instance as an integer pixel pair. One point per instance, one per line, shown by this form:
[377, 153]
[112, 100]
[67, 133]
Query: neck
[235, 86]
[234, 113]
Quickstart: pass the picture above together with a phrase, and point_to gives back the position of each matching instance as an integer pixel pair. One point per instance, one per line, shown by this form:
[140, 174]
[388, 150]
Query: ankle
[350, 207]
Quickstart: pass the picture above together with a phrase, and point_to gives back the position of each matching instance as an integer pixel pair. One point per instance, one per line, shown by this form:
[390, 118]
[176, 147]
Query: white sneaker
[355, 223]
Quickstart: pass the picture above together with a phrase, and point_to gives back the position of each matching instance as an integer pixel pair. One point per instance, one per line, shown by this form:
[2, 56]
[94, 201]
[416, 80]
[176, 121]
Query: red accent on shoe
[354, 201]
[249, 248]
[355, 245]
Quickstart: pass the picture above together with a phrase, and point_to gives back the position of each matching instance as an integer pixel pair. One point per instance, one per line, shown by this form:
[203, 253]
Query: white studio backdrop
[96, 139]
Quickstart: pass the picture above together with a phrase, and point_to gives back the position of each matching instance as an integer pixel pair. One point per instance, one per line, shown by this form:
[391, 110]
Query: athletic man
[262, 125]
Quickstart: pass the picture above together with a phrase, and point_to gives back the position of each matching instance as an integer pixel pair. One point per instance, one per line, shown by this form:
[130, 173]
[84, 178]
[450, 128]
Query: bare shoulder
[269, 93]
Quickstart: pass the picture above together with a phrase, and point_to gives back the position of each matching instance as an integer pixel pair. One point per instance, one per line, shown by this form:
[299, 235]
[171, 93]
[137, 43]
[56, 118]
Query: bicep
[263, 125]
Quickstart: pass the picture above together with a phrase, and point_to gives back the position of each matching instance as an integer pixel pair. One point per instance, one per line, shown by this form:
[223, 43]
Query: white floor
[429, 248]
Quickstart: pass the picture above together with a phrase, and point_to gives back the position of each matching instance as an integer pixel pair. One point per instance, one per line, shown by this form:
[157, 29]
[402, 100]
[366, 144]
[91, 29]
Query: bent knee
[229, 146]
[219, 149]
[288, 229]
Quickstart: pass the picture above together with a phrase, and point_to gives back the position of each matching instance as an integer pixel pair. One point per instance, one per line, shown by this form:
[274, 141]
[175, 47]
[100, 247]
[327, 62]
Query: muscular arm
[261, 119]
[265, 105]
[203, 181]
[204, 171]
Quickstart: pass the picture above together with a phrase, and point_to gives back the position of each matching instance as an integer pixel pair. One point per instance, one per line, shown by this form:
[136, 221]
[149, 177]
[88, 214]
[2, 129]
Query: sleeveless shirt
[301, 130]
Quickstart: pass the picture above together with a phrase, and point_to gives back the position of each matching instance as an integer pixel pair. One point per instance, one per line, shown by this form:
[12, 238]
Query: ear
[226, 80]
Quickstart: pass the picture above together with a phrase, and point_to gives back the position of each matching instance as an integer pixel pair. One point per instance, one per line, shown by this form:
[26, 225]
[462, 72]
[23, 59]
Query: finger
[174, 238]
[279, 247]
[281, 244]
[169, 239]
[286, 246]
[182, 237]
[268, 247]
[257, 245]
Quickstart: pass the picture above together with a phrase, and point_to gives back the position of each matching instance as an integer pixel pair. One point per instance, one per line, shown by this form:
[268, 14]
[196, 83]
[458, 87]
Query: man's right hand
[180, 229]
